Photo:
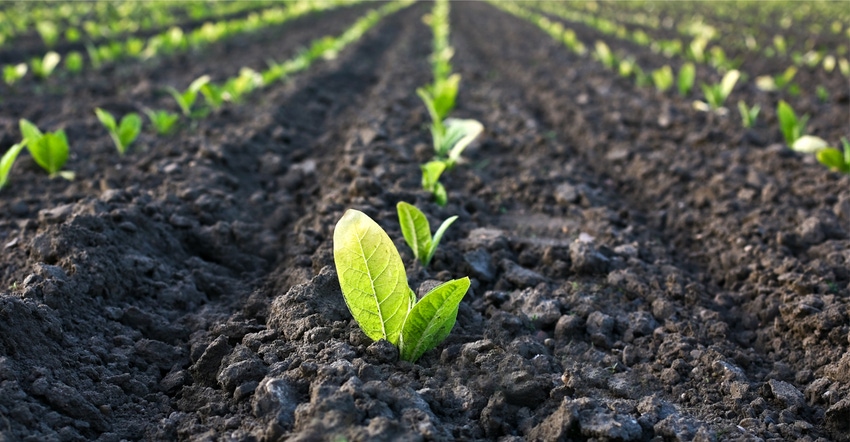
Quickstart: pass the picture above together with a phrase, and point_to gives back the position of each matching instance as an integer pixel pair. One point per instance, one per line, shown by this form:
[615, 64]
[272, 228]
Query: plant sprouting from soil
[49, 150]
[7, 161]
[716, 94]
[374, 285]
[663, 78]
[162, 120]
[792, 127]
[124, 133]
[604, 55]
[835, 159]
[748, 114]
[687, 76]
[13, 73]
[48, 31]
[187, 98]
[417, 231]
[43, 67]
[74, 62]
[431, 172]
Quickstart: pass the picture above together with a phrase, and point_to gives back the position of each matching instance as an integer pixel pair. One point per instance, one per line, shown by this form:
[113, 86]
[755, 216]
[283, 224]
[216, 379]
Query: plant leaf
[809, 144]
[106, 119]
[432, 319]
[834, 159]
[728, 83]
[787, 122]
[431, 172]
[8, 160]
[459, 134]
[129, 129]
[50, 151]
[29, 131]
[371, 275]
[687, 75]
[435, 242]
[441, 197]
[416, 230]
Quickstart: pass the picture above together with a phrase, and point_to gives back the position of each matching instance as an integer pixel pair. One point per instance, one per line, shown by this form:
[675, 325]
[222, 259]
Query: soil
[641, 270]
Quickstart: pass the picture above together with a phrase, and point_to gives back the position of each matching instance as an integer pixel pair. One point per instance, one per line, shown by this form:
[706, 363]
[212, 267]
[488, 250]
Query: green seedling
[124, 133]
[72, 35]
[835, 159]
[374, 285]
[94, 56]
[49, 150]
[792, 128]
[13, 73]
[809, 144]
[48, 31]
[431, 172]
[187, 98]
[247, 81]
[43, 67]
[663, 78]
[822, 94]
[748, 114]
[716, 94]
[687, 76]
[74, 62]
[213, 94]
[604, 55]
[451, 136]
[163, 121]
[417, 231]
[8, 160]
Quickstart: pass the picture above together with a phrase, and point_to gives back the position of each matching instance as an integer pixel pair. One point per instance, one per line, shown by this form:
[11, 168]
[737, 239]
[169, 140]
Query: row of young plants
[50, 150]
[370, 269]
[792, 128]
[169, 41]
[70, 22]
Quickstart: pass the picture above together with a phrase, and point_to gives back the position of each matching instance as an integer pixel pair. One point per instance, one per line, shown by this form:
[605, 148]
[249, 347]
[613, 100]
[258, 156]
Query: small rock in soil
[586, 259]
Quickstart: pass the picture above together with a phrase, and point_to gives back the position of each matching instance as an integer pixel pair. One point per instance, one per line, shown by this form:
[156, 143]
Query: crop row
[715, 94]
[167, 42]
[51, 149]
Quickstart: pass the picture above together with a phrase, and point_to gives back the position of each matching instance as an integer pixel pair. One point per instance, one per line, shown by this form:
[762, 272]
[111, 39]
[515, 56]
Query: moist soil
[640, 270]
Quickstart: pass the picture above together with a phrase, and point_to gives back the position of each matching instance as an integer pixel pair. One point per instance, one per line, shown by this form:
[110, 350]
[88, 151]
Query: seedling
[716, 94]
[809, 144]
[48, 31]
[604, 55]
[451, 136]
[417, 231]
[792, 127]
[8, 160]
[13, 73]
[663, 78]
[687, 75]
[748, 114]
[43, 67]
[374, 285]
[822, 94]
[776, 83]
[123, 134]
[49, 150]
[835, 159]
[187, 98]
[74, 62]
[163, 121]
[213, 94]
[431, 172]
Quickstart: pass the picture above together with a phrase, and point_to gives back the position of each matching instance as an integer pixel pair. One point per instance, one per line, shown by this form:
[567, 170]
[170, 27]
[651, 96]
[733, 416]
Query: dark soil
[641, 270]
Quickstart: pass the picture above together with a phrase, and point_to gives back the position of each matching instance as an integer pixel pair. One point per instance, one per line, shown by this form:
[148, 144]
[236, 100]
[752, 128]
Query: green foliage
[687, 76]
[43, 67]
[187, 98]
[663, 78]
[74, 62]
[8, 160]
[748, 114]
[163, 121]
[792, 128]
[124, 133]
[48, 31]
[431, 172]
[13, 73]
[604, 55]
[417, 231]
[374, 285]
[49, 150]
[835, 159]
[822, 93]
[716, 94]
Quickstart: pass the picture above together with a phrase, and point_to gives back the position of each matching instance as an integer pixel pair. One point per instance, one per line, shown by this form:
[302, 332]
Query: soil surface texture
[641, 271]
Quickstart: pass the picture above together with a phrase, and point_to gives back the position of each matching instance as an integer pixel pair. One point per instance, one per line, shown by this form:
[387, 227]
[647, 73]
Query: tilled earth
[641, 270]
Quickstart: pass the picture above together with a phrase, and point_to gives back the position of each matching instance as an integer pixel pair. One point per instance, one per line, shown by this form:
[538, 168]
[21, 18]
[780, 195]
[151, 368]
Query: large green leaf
[50, 151]
[371, 275]
[416, 230]
[432, 319]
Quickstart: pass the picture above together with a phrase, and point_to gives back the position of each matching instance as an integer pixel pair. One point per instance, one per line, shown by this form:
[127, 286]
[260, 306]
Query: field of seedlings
[349, 220]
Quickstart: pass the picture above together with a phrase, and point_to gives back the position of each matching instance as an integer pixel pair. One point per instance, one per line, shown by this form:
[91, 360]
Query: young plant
[374, 285]
[663, 78]
[792, 128]
[748, 114]
[43, 67]
[822, 94]
[187, 98]
[687, 76]
[431, 172]
[49, 150]
[48, 31]
[604, 55]
[13, 73]
[417, 231]
[74, 62]
[8, 160]
[716, 94]
[163, 121]
[123, 134]
[451, 136]
[835, 159]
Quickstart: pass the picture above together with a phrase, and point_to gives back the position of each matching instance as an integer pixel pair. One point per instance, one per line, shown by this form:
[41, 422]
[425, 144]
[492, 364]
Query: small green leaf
[435, 242]
[441, 197]
[416, 230]
[459, 134]
[371, 275]
[50, 151]
[687, 75]
[30, 131]
[432, 319]
[431, 172]
[787, 122]
[162, 120]
[8, 160]
[834, 159]
[128, 130]
[106, 119]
